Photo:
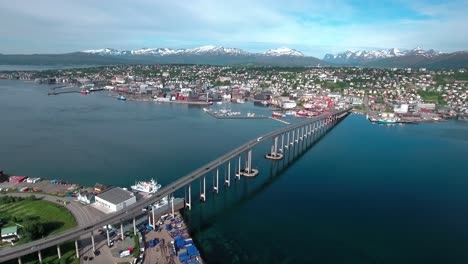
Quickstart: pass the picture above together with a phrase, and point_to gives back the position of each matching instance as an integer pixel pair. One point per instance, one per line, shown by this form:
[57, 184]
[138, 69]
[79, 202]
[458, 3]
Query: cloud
[314, 27]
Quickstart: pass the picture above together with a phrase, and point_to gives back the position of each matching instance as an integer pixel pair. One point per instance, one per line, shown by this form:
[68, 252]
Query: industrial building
[114, 199]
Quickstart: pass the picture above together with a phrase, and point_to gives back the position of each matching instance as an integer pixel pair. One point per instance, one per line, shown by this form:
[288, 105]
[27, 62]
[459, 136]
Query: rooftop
[115, 195]
[9, 230]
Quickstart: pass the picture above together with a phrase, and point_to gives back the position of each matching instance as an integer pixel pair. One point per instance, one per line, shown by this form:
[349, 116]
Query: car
[260, 138]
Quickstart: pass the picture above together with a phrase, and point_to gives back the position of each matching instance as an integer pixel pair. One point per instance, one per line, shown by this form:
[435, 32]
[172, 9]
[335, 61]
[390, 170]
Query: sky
[313, 27]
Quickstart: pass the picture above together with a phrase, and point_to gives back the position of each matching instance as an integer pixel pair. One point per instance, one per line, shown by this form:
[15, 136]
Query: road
[135, 209]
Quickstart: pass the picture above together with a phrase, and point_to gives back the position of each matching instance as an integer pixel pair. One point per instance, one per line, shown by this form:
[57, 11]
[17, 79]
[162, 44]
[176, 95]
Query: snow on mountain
[364, 56]
[204, 50]
[284, 52]
[106, 51]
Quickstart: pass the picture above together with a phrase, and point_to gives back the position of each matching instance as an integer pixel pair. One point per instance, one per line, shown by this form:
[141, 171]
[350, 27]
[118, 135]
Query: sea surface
[363, 193]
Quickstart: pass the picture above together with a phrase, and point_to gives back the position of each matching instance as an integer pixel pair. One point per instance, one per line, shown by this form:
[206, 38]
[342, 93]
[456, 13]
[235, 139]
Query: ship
[276, 114]
[386, 121]
[85, 92]
[146, 187]
[121, 98]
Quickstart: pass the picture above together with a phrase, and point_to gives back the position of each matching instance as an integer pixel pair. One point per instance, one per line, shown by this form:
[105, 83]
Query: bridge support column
[274, 155]
[216, 183]
[58, 252]
[77, 249]
[238, 174]
[19, 260]
[287, 145]
[227, 181]
[292, 141]
[248, 171]
[172, 203]
[92, 242]
[134, 226]
[108, 237]
[189, 198]
[39, 255]
[154, 218]
[121, 231]
[203, 190]
[297, 134]
[282, 143]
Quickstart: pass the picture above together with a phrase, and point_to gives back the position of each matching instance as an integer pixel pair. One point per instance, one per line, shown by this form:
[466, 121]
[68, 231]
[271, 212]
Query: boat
[147, 187]
[164, 201]
[121, 98]
[277, 114]
[240, 101]
[84, 92]
[219, 103]
[386, 121]
[302, 113]
[308, 106]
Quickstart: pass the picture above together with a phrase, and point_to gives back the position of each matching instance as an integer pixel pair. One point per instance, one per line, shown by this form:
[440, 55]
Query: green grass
[55, 217]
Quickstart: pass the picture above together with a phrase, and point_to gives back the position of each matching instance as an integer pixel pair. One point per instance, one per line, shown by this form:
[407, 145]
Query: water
[363, 194]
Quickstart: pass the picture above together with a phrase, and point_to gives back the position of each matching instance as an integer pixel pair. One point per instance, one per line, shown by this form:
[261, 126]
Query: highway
[135, 209]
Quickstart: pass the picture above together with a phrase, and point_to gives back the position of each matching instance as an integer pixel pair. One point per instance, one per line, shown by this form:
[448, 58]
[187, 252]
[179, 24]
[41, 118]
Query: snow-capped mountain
[283, 52]
[359, 57]
[204, 50]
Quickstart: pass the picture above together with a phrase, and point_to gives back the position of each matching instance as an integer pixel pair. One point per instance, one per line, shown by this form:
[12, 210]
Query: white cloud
[315, 27]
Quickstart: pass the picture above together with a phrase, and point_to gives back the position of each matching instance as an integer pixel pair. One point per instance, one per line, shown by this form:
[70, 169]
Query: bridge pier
[293, 137]
[282, 143]
[189, 198]
[238, 174]
[108, 237]
[154, 218]
[248, 171]
[121, 231]
[227, 180]
[172, 203]
[274, 155]
[39, 255]
[287, 145]
[77, 249]
[58, 252]
[134, 226]
[203, 194]
[19, 260]
[216, 182]
[92, 242]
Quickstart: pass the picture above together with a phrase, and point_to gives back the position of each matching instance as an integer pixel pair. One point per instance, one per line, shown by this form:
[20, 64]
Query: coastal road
[135, 209]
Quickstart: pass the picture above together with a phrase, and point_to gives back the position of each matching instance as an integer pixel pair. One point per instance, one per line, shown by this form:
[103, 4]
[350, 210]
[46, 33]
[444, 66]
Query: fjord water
[362, 194]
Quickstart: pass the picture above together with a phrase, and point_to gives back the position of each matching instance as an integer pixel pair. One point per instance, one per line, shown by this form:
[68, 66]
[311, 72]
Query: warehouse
[114, 199]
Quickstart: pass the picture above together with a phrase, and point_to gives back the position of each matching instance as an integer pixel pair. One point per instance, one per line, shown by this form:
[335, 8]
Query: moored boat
[147, 187]
[121, 98]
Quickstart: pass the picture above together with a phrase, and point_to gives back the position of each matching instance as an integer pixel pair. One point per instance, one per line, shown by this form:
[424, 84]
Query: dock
[234, 116]
[279, 120]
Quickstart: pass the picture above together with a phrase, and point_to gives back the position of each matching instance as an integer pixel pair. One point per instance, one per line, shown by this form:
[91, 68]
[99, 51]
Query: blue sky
[313, 27]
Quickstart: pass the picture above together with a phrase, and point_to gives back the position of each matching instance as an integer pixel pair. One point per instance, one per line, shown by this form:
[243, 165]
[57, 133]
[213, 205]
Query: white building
[402, 109]
[114, 199]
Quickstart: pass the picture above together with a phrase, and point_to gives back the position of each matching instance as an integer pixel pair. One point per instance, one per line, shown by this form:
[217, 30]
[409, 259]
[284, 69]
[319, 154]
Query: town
[385, 95]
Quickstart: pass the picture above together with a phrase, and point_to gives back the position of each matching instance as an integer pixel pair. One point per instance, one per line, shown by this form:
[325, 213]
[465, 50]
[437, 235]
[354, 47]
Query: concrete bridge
[288, 138]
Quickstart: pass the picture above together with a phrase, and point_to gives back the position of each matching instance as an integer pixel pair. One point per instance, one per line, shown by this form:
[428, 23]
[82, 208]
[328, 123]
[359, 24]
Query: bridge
[288, 138]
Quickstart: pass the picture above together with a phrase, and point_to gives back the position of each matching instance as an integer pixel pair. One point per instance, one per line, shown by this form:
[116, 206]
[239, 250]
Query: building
[10, 234]
[402, 109]
[99, 187]
[16, 179]
[429, 106]
[86, 197]
[114, 199]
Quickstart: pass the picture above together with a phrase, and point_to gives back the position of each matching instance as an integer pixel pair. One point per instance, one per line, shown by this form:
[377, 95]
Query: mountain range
[414, 58]
[218, 55]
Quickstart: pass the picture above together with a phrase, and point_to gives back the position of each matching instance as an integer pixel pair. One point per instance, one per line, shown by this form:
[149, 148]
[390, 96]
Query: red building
[16, 179]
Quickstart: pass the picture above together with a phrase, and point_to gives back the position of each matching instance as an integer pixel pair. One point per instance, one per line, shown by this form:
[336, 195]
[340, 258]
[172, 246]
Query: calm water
[363, 194]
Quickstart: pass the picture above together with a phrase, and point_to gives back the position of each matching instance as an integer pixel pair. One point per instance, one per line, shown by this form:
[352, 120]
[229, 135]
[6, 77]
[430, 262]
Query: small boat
[121, 98]
[219, 103]
[386, 121]
[277, 114]
[84, 92]
[302, 113]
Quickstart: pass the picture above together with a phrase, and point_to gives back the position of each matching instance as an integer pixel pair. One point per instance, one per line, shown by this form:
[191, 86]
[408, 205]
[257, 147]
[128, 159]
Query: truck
[125, 253]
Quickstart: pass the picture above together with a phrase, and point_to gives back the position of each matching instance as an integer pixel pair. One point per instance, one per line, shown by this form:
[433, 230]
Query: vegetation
[432, 97]
[36, 218]
[136, 248]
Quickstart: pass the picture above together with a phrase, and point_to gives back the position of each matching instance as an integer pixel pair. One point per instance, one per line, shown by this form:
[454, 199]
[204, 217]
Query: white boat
[146, 187]
[164, 201]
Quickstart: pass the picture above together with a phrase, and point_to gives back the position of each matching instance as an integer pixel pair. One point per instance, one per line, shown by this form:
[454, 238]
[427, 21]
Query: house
[86, 197]
[114, 199]
[10, 234]
[99, 187]
[16, 179]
